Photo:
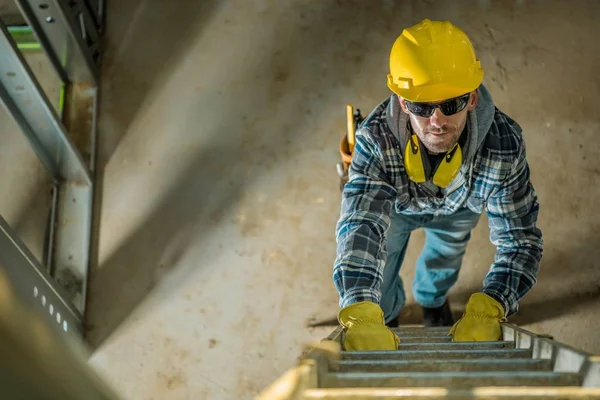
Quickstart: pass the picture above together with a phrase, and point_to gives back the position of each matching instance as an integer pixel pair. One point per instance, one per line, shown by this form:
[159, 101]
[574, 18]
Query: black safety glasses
[448, 107]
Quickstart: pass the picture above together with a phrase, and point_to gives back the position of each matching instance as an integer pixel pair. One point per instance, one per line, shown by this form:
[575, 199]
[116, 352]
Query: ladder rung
[450, 379]
[457, 346]
[481, 393]
[484, 364]
[422, 331]
[426, 354]
[426, 339]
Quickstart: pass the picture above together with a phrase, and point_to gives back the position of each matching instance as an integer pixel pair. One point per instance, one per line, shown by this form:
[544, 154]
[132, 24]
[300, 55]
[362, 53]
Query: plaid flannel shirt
[498, 179]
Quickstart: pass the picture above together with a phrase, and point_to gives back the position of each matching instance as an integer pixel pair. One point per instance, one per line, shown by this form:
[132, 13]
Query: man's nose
[438, 119]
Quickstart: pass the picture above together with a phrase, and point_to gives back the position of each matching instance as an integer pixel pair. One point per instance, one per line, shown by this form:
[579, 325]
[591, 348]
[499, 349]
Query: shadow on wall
[266, 128]
[140, 49]
[251, 138]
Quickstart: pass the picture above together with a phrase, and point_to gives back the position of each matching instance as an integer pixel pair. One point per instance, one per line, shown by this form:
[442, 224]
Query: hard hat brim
[436, 92]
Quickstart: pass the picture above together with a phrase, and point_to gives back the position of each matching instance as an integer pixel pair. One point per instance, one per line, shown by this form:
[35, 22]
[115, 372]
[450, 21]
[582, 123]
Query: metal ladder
[428, 364]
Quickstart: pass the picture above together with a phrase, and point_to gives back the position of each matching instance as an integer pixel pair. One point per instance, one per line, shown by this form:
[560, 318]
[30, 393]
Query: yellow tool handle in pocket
[351, 126]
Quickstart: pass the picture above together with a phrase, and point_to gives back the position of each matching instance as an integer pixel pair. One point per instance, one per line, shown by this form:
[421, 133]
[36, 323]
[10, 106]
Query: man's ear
[403, 104]
[473, 100]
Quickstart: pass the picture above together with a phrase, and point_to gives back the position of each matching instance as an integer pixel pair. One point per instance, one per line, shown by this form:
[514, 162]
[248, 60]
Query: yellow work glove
[480, 322]
[365, 328]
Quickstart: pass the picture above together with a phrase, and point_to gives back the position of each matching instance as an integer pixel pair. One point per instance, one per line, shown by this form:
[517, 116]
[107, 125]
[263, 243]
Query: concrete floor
[219, 129]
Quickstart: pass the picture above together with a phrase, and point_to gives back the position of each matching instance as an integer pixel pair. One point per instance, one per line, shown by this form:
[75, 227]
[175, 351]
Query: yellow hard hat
[433, 61]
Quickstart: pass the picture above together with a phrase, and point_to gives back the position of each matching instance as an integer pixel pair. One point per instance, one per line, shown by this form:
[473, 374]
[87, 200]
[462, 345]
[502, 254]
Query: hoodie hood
[479, 122]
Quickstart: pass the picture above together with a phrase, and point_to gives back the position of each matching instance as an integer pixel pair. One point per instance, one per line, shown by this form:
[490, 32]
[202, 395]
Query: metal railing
[64, 140]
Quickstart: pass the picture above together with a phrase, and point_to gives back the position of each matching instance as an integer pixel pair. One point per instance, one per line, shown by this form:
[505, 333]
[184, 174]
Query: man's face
[440, 132]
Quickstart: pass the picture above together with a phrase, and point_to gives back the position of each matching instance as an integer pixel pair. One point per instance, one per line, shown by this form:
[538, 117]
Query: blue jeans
[438, 265]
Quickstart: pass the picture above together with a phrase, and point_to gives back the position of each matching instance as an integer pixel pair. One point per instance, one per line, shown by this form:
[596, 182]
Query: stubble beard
[440, 140]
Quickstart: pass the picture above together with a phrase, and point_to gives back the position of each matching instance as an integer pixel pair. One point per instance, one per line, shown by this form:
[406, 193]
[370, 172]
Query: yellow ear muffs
[443, 174]
[448, 168]
[413, 163]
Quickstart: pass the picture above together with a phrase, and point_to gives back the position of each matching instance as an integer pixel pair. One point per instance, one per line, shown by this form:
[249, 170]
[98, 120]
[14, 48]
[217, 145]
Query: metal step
[484, 393]
[436, 354]
[428, 365]
[450, 379]
[421, 331]
[433, 365]
[456, 346]
[426, 339]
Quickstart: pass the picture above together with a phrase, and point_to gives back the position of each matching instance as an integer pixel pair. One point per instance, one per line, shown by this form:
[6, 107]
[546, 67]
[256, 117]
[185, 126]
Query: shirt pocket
[475, 204]
[464, 197]
[455, 200]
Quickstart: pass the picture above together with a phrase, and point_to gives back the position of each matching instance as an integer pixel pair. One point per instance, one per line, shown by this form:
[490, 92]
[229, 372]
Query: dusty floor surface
[219, 129]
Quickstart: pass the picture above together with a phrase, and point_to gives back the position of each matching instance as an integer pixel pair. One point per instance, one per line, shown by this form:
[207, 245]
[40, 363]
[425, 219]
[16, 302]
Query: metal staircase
[428, 364]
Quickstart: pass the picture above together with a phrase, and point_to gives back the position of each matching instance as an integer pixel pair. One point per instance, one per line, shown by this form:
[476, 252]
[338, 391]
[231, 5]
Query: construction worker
[434, 155]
